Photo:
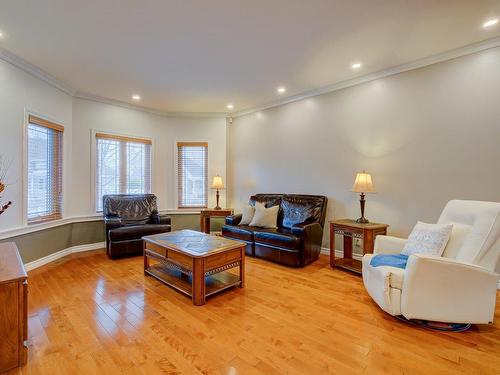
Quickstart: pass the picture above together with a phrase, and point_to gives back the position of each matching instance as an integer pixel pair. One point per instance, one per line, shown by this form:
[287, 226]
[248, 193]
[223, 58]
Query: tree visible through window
[192, 170]
[44, 165]
[123, 166]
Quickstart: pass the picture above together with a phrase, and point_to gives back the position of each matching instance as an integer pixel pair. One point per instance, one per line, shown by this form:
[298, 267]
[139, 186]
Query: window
[44, 166]
[192, 178]
[123, 166]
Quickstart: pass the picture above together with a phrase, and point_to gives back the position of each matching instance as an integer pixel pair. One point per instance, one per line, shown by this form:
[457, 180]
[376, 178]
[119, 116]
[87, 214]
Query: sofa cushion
[302, 208]
[239, 232]
[277, 237]
[136, 232]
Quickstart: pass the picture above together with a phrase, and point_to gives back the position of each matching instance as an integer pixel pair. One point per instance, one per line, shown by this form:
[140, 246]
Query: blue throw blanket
[392, 260]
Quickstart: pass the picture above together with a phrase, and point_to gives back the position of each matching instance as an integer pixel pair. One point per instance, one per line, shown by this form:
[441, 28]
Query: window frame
[176, 171]
[93, 159]
[32, 118]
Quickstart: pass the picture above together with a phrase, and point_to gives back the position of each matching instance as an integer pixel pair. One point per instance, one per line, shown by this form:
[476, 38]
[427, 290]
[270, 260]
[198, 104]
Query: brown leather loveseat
[297, 239]
[129, 217]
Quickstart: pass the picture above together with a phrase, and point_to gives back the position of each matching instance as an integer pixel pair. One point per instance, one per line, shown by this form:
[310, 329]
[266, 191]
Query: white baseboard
[62, 253]
[339, 253]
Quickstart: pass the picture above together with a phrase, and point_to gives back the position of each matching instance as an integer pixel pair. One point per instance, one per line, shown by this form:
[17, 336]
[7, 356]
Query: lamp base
[217, 208]
[362, 220]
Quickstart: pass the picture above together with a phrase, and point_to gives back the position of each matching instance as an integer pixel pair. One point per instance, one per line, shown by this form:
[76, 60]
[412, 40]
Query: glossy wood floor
[91, 315]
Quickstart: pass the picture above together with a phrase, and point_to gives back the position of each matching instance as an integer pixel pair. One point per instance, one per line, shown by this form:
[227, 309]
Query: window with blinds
[192, 178]
[44, 166]
[123, 166]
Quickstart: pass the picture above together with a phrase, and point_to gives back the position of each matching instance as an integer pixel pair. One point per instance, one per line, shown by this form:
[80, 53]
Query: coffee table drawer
[227, 257]
[156, 249]
[180, 259]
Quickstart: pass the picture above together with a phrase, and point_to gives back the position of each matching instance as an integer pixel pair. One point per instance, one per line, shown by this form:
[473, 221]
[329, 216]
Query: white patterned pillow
[247, 215]
[428, 239]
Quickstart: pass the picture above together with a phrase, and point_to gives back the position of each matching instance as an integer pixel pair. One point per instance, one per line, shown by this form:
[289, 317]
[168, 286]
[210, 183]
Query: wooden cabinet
[350, 230]
[13, 308]
[207, 213]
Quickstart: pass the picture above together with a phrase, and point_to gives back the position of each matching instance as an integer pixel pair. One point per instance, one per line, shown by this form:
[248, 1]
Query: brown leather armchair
[297, 239]
[129, 217]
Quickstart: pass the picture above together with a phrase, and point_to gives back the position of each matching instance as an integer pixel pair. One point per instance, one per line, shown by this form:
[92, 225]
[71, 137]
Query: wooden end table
[194, 263]
[207, 213]
[349, 229]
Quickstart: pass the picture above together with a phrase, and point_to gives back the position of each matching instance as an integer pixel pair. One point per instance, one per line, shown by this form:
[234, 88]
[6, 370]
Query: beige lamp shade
[363, 183]
[217, 183]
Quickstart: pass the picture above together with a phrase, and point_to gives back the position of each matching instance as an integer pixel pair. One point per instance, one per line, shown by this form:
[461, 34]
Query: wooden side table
[350, 229]
[207, 213]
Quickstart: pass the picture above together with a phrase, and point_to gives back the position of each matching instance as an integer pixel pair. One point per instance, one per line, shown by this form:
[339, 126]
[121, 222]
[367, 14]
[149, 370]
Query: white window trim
[24, 166]
[93, 152]
[176, 177]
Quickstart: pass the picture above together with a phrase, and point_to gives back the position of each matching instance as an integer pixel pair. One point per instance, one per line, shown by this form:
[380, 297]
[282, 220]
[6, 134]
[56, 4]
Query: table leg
[242, 268]
[198, 292]
[332, 246]
[146, 262]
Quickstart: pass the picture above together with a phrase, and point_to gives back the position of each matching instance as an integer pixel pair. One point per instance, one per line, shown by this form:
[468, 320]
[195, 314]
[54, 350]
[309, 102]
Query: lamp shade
[217, 183]
[363, 183]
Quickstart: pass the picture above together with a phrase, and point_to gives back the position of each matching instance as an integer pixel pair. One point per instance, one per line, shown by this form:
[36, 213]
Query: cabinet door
[9, 325]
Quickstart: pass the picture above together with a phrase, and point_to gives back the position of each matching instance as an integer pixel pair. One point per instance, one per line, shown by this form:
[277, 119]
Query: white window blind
[192, 170]
[44, 164]
[123, 166]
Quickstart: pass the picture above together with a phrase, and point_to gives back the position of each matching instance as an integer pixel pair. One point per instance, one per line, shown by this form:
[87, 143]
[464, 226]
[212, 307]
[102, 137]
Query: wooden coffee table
[194, 263]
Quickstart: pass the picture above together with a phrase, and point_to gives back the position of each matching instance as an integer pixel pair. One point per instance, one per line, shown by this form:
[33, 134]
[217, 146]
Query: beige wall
[164, 131]
[20, 94]
[426, 136]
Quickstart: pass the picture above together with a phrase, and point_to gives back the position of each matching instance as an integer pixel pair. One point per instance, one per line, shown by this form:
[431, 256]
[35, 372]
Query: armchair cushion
[283, 238]
[135, 232]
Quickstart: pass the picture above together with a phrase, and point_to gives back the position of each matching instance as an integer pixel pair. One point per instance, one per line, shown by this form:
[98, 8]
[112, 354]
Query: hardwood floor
[91, 315]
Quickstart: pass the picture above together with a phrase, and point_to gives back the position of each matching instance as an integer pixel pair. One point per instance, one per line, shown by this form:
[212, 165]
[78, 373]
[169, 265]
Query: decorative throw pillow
[428, 239]
[265, 217]
[247, 216]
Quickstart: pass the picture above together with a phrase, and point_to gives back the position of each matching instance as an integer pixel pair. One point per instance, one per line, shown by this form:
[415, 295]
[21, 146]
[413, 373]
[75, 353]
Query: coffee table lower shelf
[184, 283]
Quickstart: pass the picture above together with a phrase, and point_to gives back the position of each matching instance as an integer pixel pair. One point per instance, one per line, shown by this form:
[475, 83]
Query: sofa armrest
[447, 290]
[312, 237]
[234, 219]
[388, 245]
[112, 222]
[159, 219]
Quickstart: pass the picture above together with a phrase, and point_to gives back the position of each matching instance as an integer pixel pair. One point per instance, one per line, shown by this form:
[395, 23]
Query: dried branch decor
[4, 167]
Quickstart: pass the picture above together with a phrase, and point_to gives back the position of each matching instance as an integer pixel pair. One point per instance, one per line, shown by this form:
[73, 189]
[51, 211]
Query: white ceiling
[199, 55]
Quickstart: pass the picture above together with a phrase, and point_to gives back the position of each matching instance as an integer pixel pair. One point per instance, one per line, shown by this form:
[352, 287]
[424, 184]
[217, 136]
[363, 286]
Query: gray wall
[426, 136]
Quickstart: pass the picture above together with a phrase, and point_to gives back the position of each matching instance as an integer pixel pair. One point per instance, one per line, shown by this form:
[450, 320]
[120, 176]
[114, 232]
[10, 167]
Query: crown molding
[430, 60]
[119, 103]
[35, 71]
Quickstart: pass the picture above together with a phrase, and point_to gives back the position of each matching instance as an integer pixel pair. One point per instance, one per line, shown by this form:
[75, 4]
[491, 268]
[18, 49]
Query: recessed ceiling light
[356, 65]
[230, 106]
[281, 90]
[1, 35]
[136, 97]
[490, 22]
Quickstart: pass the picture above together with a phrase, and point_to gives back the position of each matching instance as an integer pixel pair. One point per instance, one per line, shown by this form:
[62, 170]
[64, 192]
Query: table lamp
[218, 185]
[363, 184]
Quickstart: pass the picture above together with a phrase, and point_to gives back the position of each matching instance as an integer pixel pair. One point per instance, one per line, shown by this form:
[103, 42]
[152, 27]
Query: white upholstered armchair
[460, 286]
